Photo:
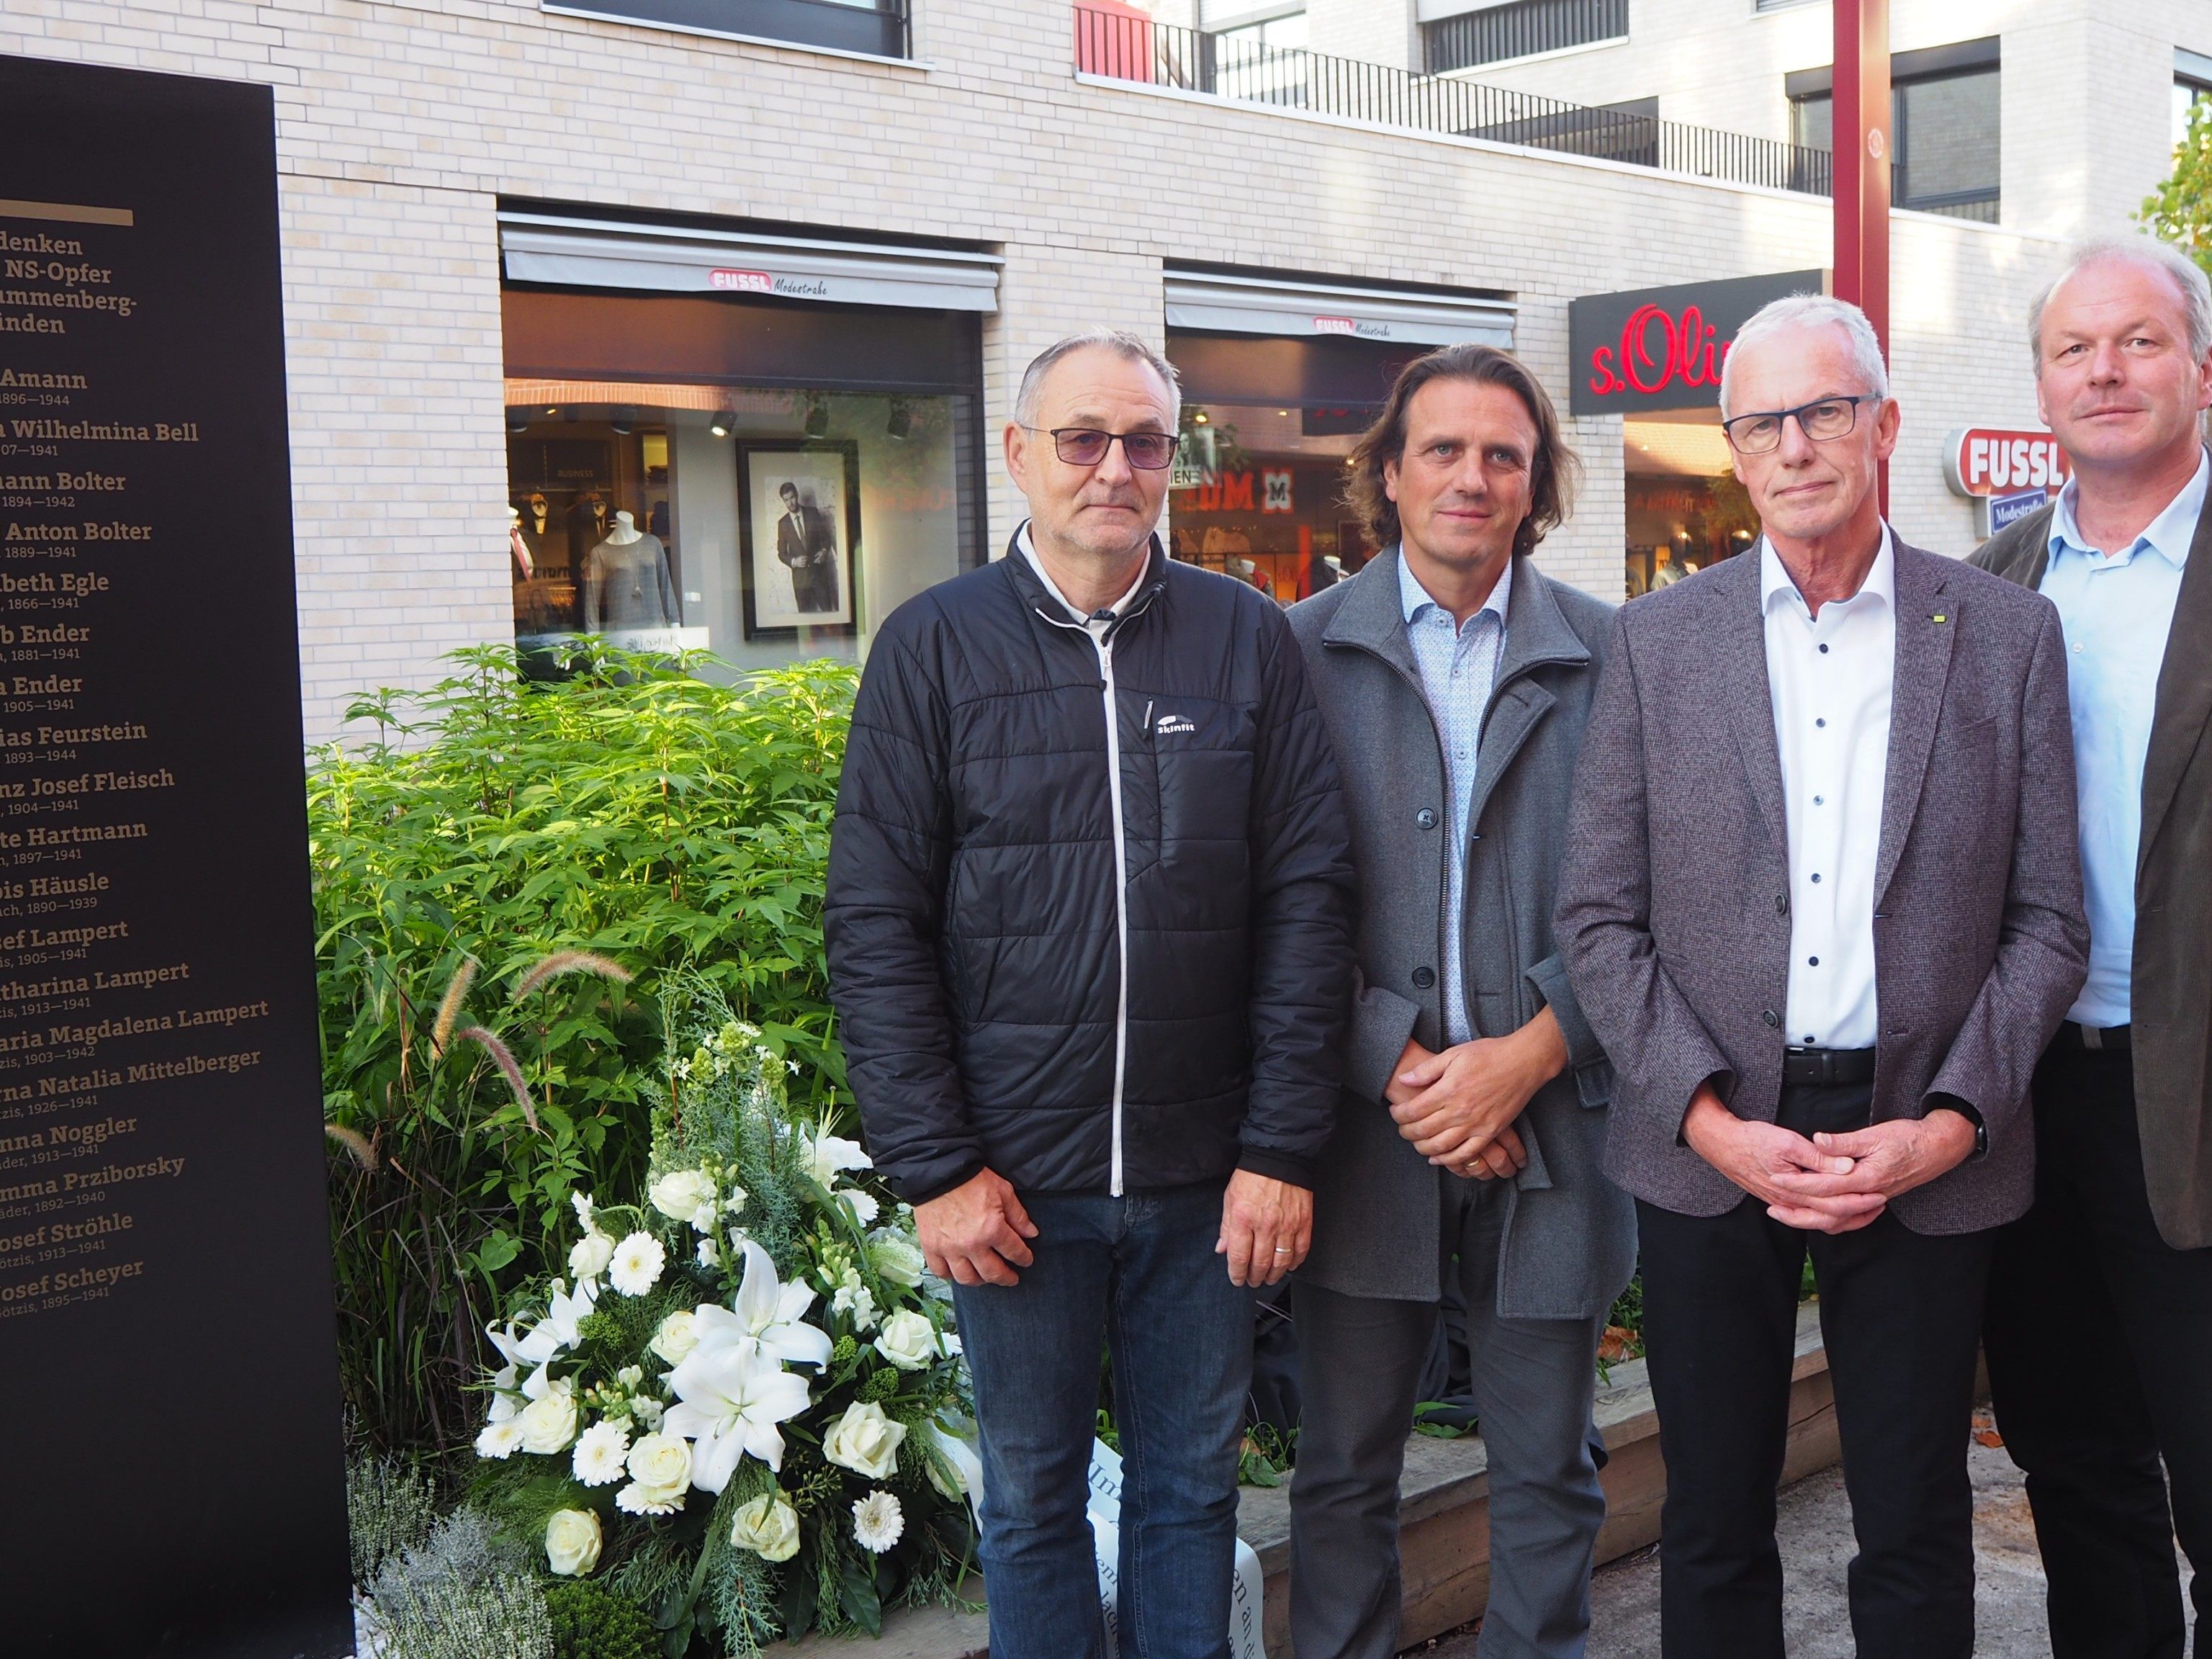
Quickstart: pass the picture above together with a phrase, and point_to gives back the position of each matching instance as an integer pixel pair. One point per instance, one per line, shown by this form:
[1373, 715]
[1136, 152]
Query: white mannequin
[625, 531]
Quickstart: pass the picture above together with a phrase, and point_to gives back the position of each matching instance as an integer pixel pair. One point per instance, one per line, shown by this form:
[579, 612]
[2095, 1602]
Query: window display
[663, 501]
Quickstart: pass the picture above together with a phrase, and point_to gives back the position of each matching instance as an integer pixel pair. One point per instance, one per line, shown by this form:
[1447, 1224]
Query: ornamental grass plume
[570, 962]
[449, 1006]
[509, 1067]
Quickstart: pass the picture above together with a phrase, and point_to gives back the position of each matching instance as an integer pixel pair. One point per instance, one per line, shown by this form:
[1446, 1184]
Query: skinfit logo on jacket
[1172, 724]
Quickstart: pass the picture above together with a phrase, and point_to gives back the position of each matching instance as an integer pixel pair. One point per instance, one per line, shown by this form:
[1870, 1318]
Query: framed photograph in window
[801, 528]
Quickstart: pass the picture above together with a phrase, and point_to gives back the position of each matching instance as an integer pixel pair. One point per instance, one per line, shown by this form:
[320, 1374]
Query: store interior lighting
[723, 420]
[517, 421]
[622, 420]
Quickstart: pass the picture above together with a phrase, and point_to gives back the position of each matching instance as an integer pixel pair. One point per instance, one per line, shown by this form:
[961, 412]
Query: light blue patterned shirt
[2116, 611]
[1459, 665]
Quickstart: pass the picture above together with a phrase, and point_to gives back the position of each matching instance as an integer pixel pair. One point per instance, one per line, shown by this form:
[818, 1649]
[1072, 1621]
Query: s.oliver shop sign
[1999, 460]
[1664, 348]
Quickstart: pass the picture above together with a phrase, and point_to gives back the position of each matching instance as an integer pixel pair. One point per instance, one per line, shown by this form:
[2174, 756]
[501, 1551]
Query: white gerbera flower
[863, 1205]
[601, 1453]
[877, 1521]
[637, 1265]
[501, 1439]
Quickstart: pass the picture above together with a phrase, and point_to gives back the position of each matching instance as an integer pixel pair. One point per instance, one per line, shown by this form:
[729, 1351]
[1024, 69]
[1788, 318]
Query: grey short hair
[1121, 344]
[2150, 255]
[1813, 311]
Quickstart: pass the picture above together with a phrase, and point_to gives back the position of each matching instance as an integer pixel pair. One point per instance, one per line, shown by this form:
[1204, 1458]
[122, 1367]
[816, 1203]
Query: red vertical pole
[1862, 152]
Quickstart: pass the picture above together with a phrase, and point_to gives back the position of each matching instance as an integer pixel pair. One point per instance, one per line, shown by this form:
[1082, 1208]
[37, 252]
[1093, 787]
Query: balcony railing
[1121, 46]
[1520, 29]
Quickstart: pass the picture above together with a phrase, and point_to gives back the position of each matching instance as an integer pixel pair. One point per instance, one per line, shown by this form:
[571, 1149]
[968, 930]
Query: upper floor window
[1261, 55]
[1944, 126]
[2192, 84]
[877, 29]
[1520, 28]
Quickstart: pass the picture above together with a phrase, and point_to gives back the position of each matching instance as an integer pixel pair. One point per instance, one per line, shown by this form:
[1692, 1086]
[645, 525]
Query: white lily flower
[828, 1155]
[506, 1383]
[768, 1317]
[558, 1330]
[732, 1398]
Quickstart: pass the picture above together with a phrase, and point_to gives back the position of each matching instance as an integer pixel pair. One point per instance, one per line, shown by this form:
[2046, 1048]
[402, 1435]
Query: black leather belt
[1827, 1067]
[2097, 1039]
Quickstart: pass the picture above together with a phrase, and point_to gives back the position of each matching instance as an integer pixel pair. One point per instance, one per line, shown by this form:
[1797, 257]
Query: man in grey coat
[1823, 1005]
[1454, 678]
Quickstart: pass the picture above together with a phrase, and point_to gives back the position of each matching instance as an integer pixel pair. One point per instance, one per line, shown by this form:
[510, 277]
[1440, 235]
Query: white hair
[1812, 311]
[2141, 251]
[1121, 344]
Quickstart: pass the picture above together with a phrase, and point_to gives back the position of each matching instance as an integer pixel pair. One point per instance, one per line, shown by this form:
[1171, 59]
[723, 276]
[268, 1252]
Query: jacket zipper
[1121, 902]
[1105, 649]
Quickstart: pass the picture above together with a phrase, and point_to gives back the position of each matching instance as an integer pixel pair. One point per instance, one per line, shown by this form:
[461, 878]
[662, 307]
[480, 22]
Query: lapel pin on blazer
[1937, 617]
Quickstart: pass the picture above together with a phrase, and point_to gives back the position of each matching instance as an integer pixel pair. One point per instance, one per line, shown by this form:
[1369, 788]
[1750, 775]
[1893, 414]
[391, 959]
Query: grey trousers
[1360, 1361]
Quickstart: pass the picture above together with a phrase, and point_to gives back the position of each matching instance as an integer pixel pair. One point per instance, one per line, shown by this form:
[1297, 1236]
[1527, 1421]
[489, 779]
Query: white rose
[677, 1335]
[895, 1258]
[589, 1255]
[548, 1423]
[865, 1441]
[908, 1342]
[572, 1542]
[681, 1194]
[769, 1526]
[660, 1464]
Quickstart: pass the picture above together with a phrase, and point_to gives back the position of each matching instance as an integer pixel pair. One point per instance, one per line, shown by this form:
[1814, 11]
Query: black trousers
[2099, 1344]
[1900, 1314]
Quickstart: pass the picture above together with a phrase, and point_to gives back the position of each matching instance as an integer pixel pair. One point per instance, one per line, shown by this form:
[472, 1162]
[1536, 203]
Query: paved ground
[1816, 1544]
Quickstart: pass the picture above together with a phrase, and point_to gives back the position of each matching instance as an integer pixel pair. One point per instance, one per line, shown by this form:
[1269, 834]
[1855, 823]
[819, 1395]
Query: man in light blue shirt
[2118, 608]
[1456, 678]
[2099, 1333]
[1458, 662]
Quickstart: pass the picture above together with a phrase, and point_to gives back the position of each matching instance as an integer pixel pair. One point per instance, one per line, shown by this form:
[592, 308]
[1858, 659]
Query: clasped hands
[1830, 1183]
[1458, 1107]
[979, 1233]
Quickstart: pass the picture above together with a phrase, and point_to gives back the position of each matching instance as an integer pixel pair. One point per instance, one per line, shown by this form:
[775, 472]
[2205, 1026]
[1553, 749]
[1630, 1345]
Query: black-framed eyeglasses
[1823, 420]
[1084, 446]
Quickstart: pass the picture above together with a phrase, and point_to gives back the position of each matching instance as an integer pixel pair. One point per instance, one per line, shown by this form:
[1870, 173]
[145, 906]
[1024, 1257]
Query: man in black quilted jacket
[1090, 928]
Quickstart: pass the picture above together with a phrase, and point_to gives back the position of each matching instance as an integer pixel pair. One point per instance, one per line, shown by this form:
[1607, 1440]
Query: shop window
[661, 501]
[879, 28]
[1521, 28]
[1945, 126]
[1684, 511]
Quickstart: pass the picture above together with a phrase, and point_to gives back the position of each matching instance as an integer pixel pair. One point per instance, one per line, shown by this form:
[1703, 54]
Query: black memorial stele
[168, 1381]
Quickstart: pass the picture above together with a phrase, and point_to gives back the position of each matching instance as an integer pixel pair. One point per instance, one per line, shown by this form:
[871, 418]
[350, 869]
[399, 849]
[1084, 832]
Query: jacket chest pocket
[1198, 757]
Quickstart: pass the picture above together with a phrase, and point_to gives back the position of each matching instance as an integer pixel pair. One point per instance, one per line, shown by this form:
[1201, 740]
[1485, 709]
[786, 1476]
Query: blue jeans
[1139, 1274]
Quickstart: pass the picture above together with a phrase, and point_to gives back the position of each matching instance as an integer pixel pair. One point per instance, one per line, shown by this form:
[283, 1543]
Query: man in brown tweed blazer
[1821, 904]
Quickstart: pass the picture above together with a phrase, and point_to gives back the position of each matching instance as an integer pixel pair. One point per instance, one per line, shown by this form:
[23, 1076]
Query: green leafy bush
[552, 853]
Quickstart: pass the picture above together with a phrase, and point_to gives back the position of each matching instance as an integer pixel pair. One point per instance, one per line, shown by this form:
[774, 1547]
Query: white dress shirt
[2116, 611]
[1093, 624]
[1830, 679]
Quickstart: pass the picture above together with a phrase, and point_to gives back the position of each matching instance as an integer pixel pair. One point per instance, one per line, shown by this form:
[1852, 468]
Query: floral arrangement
[742, 1410]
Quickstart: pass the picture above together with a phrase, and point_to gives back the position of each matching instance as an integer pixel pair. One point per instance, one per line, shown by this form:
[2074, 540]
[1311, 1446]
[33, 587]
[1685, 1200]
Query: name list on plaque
[159, 1120]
